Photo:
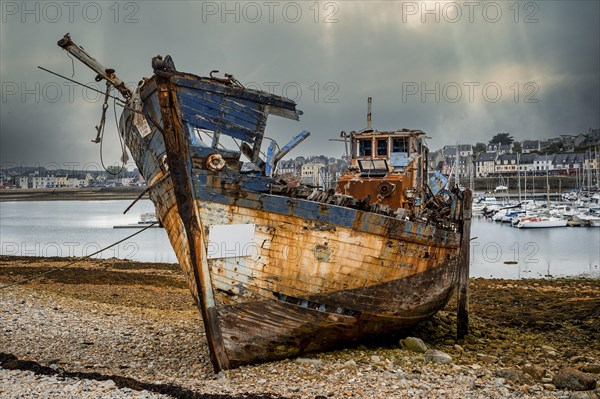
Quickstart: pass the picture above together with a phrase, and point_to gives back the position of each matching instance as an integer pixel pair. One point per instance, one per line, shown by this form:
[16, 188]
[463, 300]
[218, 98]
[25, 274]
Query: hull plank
[279, 329]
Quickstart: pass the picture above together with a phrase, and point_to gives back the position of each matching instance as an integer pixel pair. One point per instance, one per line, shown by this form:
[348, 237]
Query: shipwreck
[277, 269]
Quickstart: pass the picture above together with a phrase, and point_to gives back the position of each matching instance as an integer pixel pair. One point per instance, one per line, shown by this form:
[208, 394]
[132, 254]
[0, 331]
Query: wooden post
[462, 323]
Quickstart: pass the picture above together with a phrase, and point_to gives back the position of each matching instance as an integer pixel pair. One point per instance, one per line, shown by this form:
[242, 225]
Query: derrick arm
[102, 73]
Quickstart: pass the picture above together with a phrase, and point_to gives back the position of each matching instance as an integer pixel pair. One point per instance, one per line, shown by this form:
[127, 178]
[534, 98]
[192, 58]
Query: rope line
[75, 261]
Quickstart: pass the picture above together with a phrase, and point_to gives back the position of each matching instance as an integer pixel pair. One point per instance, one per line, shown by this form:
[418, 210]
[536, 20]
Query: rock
[375, 359]
[547, 348]
[221, 375]
[574, 380]
[535, 371]
[304, 360]
[487, 358]
[585, 394]
[350, 364]
[413, 344]
[591, 368]
[436, 356]
[514, 376]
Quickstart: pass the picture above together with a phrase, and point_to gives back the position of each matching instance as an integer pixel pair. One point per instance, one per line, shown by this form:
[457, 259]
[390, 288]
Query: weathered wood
[176, 144]
[462, 327]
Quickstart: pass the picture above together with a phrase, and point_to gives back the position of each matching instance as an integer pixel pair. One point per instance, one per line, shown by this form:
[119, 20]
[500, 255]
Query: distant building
[286, 167]
[568, 162]
[435, 161]
[591, 162]
[543, 162]
[312, 174]
[593, 136]
[526, 162]
[531, 146]
[506, 164]
[43, 181]
[485, 164]
[23, 182]
[464, 150]
[500, 148]
[61, 181]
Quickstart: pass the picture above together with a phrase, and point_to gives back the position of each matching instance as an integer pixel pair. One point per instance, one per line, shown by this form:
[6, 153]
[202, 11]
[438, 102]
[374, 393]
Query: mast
[519, 175]
[525, 184]
[597, 161]
[457, 166]
[547, 181]
[369, 114]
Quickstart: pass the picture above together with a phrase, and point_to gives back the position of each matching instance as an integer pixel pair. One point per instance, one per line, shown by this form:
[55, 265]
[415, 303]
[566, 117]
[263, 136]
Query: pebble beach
[118, 329]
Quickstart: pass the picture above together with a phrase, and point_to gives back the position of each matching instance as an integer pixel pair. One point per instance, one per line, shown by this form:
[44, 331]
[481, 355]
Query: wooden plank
[462, 326]
[175, 136]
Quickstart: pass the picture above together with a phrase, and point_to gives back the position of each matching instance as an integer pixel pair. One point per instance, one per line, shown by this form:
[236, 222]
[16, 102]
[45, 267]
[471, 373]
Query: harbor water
[79, 228]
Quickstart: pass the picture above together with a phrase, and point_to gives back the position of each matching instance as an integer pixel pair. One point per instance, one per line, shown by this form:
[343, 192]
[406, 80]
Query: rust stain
[322, 252]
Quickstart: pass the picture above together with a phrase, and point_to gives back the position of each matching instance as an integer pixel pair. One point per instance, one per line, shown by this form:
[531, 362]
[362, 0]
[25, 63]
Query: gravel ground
[114, 329]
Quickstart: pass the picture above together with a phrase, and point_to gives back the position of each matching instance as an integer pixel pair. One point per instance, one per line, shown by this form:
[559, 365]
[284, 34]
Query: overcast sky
[460, 71]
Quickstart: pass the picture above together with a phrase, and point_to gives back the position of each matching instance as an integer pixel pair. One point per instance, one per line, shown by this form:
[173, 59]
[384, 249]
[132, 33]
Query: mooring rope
[76, 261]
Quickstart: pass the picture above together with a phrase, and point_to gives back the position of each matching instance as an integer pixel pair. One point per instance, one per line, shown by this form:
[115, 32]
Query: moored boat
[278, 270]
[147, 219]
[541, 222]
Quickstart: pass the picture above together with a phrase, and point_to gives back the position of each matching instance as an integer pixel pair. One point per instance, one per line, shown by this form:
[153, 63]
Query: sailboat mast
[519, 175]
[525, 184]
[547, 181]
[597, 161]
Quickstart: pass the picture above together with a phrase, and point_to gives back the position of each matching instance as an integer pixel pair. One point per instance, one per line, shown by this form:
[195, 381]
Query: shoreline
[120, 320]
[72, 194]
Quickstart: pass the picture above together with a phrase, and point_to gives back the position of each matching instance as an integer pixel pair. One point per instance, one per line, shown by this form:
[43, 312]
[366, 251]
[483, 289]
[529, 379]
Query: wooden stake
[462, 327]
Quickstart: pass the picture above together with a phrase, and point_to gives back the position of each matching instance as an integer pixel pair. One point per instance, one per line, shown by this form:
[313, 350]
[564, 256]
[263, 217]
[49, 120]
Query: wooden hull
[317, 275]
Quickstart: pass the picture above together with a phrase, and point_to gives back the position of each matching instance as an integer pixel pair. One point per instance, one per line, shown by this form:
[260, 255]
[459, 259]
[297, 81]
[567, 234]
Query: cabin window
[373, 167]
[382, 147]
[365, 148]
[399, 144]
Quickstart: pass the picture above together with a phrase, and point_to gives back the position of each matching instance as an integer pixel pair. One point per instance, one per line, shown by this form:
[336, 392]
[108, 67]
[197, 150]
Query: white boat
[513, 214]
[486, 202]
[541, 222]
[563, 210]
[148, 219]
[499, 215]
[590, 218]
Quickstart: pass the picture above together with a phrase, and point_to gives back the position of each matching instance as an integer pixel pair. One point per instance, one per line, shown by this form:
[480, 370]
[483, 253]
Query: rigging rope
[76, 261]
[101, 134]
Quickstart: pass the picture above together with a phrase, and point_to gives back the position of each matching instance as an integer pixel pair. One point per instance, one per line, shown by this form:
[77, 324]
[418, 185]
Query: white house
[543, 162]
[312, 174]
[485, 164]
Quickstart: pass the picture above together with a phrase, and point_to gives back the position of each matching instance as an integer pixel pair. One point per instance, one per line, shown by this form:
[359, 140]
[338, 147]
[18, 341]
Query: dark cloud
[375, 49]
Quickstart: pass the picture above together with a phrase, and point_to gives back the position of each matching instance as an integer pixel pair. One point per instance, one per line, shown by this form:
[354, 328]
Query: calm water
[77, 228]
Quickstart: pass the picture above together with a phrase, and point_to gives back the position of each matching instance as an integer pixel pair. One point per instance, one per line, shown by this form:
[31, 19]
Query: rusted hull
[318, 275]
